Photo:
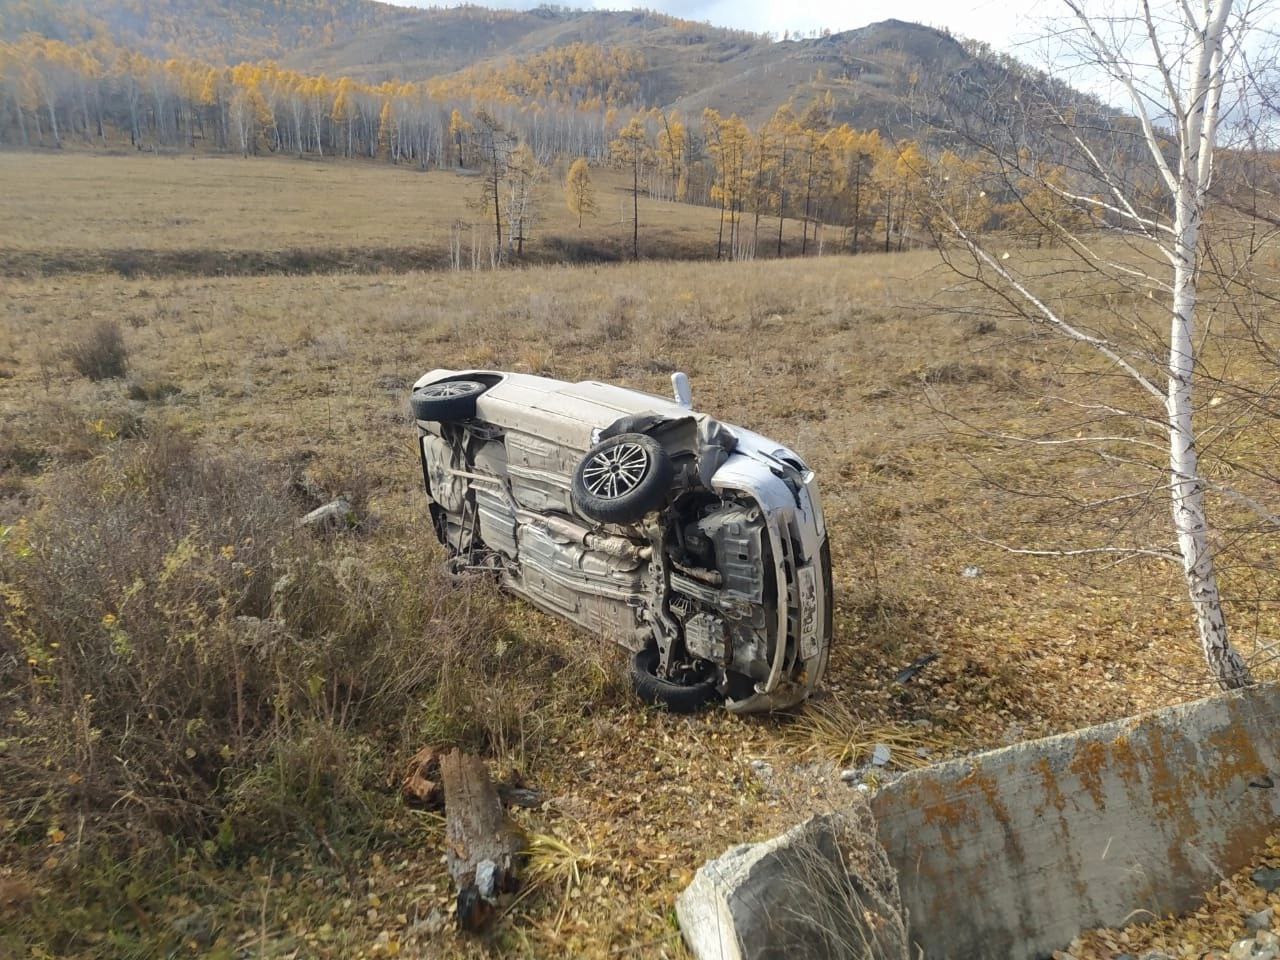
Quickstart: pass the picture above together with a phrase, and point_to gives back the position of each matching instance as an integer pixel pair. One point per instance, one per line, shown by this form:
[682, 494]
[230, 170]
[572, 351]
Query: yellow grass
[845, 359]
[832, 729]
[60, 203]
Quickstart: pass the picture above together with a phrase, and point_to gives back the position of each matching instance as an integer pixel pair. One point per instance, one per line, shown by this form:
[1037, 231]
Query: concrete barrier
[1010, 854]
[805, 895]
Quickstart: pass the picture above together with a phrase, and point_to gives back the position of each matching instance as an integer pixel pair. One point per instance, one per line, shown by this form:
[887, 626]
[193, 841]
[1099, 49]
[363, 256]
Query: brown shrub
[99, 352]
[179, 656]
[954, 371]
[149, 390]
[617, 323]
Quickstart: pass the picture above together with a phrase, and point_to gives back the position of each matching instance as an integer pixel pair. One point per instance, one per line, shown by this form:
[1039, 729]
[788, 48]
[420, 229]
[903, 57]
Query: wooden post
[482, 845]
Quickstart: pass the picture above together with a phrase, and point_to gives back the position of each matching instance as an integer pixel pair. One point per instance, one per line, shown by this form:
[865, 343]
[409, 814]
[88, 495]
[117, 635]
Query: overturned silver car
[698, 545]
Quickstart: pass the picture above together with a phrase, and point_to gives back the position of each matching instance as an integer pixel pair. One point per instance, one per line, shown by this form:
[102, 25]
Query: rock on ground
[1268, 878]
[1259, 921]
[332, 516]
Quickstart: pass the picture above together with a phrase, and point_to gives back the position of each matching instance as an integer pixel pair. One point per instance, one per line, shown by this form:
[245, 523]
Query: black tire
[632, 423]
[676, 697]
[622, 478]
[447, 400]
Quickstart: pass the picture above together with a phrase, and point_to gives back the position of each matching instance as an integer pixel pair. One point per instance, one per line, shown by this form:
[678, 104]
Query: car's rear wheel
[676, 697]
[450, 400]
[622, 478]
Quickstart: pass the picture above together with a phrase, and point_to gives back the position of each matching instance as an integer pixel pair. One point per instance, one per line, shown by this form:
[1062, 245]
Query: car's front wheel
[447, 401]
[678, 697]
[622, 478]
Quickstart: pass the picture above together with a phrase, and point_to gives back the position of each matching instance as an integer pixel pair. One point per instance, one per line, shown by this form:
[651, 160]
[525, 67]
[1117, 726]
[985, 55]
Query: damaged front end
[756, 600]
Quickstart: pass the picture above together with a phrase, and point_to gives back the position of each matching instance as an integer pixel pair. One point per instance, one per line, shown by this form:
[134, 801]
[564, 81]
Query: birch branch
[1125, 552]
[1050, 317]
[1111, 59]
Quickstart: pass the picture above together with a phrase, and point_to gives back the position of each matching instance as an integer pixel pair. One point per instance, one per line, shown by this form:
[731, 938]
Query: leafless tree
[525, 176]
[496, 144]
[1141, 204]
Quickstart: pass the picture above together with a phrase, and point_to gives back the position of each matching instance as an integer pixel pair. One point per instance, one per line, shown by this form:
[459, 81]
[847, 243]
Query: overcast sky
[1001, 23]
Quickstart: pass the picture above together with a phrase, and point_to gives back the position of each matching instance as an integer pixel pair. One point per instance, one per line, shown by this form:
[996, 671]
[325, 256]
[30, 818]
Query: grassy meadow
[209, 214]
[201, 743]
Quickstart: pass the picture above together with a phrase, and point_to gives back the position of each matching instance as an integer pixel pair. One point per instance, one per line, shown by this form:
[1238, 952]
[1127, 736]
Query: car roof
[555, 409]
[567, 412]
[622, 400]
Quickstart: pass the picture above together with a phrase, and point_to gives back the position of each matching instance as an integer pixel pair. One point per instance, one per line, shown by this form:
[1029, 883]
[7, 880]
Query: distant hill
[680, 55]
[868, 75]
[884, 76]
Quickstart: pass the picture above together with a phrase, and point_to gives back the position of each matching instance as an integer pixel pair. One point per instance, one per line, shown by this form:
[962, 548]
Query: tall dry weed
[99, 352]
[178, 656]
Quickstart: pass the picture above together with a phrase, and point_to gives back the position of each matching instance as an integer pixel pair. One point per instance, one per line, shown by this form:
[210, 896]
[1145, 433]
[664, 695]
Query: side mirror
[680, 387]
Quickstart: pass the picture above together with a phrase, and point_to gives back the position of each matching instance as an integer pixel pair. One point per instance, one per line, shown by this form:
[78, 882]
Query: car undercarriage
[653, 529]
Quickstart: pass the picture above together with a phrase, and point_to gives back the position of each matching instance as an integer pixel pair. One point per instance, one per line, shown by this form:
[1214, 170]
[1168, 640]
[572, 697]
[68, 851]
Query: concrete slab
[804, 895]
[1010, 854]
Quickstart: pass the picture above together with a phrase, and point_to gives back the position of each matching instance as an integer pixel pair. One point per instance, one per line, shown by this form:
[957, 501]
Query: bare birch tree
[1147, 179]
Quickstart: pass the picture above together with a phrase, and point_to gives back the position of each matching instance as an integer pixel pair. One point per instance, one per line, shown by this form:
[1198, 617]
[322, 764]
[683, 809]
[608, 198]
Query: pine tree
[631, 148]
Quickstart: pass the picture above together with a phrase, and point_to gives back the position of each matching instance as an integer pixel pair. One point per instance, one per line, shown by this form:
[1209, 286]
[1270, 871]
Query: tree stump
[482, 845]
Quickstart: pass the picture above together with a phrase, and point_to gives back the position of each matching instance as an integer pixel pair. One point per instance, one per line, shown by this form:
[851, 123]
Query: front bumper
[802, 560]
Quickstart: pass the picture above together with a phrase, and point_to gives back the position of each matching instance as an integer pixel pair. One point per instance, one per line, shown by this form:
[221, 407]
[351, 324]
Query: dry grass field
[183, 214]
[864, 365]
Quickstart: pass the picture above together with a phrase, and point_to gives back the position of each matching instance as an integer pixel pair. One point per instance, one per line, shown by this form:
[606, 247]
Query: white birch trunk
[1186, 486]
[1198, 131]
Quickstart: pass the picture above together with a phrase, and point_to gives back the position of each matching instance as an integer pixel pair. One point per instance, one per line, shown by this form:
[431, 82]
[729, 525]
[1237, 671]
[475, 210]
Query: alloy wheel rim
[615, 472]
[444, 391]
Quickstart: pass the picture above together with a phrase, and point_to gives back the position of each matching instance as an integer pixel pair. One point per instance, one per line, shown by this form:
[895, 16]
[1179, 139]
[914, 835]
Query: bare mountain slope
[428, 43]
[873, 75]
[681, 56]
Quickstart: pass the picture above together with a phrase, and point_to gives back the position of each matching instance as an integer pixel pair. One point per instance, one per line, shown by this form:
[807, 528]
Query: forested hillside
[870, 77]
